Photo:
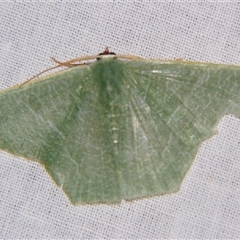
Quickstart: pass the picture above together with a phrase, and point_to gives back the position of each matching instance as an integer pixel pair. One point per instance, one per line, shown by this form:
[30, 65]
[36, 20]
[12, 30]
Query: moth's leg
[66, 64]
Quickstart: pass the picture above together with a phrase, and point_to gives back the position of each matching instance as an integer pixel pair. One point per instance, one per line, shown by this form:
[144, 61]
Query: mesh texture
[207, 206]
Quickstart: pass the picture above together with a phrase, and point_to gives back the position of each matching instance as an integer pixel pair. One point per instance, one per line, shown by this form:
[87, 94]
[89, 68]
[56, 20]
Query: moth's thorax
[108, 77]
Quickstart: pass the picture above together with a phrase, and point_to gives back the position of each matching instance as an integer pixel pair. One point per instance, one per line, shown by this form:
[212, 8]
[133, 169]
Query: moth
[120, 127]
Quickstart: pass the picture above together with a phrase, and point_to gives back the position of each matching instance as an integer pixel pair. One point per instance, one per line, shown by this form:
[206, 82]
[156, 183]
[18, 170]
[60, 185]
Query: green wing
[58, 123]
[118, 129]
[173, 106]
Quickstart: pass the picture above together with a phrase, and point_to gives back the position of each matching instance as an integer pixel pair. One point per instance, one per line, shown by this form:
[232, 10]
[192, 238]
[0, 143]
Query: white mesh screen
[208, 205]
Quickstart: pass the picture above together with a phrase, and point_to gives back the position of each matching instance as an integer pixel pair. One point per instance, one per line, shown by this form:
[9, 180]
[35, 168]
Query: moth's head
[106, 54]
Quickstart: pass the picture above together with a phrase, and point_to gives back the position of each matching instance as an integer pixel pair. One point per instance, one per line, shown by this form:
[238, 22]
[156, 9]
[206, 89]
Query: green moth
[118, 128]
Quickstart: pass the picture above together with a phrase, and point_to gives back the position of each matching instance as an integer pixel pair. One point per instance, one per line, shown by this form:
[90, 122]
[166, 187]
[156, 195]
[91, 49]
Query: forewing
[173, 107]
[57, 122]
